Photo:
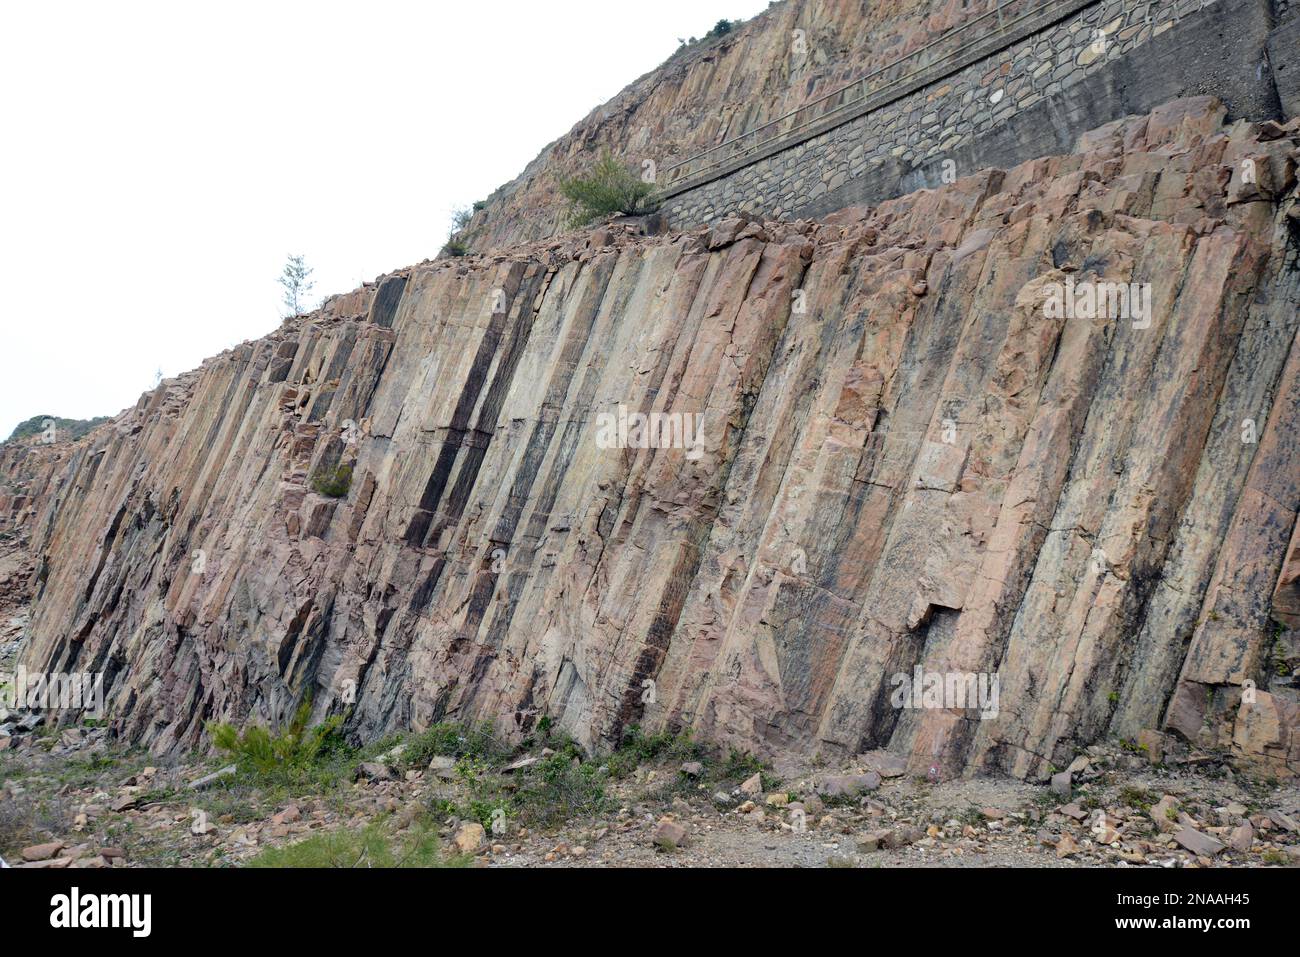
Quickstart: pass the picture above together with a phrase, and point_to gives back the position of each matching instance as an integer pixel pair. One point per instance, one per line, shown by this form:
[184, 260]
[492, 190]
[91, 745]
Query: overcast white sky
[158, 161]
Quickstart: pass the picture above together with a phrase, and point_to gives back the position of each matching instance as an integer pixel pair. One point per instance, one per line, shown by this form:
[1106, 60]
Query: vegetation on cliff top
[720, 29]
[297, 284]
[64, 428]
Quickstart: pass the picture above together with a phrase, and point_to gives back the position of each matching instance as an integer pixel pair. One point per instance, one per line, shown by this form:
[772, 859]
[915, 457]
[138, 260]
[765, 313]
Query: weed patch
[369, 847]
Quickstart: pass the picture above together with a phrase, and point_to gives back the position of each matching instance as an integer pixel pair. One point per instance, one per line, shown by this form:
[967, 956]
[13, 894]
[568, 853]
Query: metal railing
[982, 30]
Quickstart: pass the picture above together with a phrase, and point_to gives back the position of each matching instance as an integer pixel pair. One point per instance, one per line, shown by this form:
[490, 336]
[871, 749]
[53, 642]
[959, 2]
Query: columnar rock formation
[914, 452]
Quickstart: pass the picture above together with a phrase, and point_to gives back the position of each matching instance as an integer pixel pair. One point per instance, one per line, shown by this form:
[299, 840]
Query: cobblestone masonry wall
[945, 117]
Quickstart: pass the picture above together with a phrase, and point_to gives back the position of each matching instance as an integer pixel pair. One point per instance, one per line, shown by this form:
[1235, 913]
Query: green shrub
[541, 795]
[480, 205]
[456, 248]
[740, 765]
[637, 748]
[546, 735]
[279, 758]
[558, 788]
[333, 482]
[452, 740]
[609, 187]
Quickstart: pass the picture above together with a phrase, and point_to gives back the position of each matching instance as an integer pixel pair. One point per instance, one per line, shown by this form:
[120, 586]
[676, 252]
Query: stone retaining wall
[879, 154]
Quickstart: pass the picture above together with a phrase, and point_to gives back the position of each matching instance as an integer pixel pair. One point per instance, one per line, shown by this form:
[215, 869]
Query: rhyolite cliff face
[715, 90]
[908, 459]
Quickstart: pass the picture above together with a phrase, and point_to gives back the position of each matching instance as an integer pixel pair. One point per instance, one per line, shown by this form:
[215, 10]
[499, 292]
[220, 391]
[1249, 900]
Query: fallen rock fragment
[871, 841]
[444, 767]
[1199, 843]
[374, 771]
[210, 779]
[1073, 811]
[1062, 784]
[885, 764]
[1164, 814]
[848, 785]
[469, 837]
[897, 837]
[288, 816]
[1241, 838]
[1152, 743]
[41, 852]
[1284, 821]
[669, 835]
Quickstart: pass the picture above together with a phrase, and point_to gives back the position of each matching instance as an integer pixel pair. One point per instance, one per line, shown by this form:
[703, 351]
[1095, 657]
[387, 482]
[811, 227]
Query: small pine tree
[265, 755]
[297, 285]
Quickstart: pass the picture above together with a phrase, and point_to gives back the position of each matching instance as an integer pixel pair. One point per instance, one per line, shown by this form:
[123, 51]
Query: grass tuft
[369, 847]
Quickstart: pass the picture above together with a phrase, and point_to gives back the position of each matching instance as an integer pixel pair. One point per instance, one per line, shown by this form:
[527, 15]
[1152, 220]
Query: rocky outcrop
[28, 468]
[793, 53]
[913, 453]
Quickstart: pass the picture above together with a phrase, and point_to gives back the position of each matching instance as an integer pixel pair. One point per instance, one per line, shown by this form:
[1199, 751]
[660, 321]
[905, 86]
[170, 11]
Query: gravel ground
[105, 807]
